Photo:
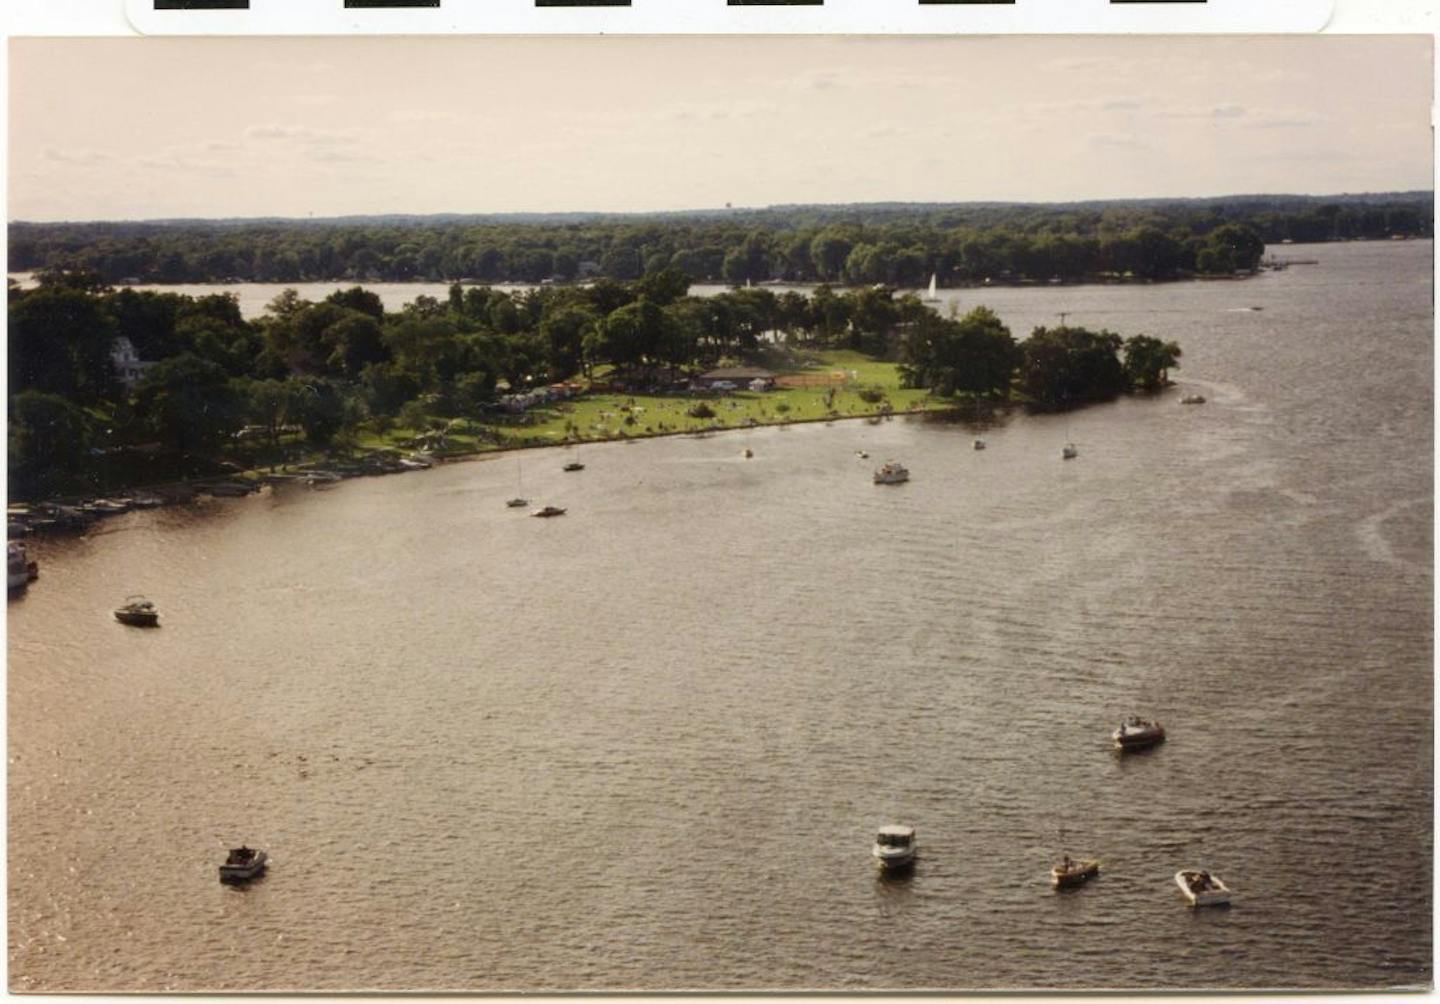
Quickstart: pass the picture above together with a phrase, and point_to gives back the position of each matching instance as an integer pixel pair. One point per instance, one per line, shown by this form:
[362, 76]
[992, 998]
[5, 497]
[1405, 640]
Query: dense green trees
[896, 244]
[1066, 367]
[1149, 360]
[973, 355]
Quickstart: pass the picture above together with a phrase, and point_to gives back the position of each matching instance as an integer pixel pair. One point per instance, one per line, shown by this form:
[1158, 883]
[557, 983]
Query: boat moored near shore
[20, 568]
[893, 473]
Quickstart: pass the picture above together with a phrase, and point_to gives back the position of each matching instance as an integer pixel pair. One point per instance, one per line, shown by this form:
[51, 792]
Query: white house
[129, 367]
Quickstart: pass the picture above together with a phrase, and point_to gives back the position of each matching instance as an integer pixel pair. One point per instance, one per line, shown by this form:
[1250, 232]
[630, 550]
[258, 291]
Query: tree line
[898, 245]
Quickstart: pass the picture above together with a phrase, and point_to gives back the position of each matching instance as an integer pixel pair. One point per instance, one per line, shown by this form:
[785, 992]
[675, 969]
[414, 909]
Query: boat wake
[1371, 531]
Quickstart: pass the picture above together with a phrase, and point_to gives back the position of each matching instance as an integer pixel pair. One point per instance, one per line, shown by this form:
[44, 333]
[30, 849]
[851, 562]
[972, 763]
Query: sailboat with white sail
[932, 296]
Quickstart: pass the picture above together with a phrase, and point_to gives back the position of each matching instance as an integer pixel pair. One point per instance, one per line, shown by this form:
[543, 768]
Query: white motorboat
[1202, 889]
[862, 454]
[1138, 734]
[892, 473]
[1069, 872]
[20, 569]
[894, 847]
[1068, 452]
[242, 863]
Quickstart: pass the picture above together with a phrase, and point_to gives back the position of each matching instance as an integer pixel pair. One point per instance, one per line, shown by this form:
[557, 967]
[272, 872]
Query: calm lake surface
[647, 745]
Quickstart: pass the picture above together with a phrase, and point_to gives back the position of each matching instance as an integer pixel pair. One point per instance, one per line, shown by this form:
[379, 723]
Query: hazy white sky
[144, 128]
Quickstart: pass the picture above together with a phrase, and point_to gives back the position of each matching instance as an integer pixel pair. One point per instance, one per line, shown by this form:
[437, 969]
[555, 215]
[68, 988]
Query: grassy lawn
[596, 417]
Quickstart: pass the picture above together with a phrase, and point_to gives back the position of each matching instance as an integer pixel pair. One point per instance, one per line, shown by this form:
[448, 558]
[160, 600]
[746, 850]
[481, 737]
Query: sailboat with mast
[932, 296]
[519, 501]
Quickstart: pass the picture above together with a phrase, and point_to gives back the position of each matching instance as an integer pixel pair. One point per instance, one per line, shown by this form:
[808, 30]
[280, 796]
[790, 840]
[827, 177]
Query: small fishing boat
[137, 611]
[749, 453]
[1068, 452]
[1202, 889]
[894, 847]
[862, 454]
[979, 443]
[517, 503]
[574, 465]
[892, 473]
[243, 863]
[1193, 399]
[1138, 734]
[547, 511]
[1068, 872]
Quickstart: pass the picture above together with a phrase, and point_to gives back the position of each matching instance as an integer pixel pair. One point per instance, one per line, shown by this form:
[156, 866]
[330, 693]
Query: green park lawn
[595, 417]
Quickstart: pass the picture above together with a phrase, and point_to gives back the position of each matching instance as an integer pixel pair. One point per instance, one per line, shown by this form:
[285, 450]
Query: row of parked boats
[895, 848]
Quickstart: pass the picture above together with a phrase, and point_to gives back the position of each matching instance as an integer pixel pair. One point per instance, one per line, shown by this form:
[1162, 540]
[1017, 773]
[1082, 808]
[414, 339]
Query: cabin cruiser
[1068, 452]
[549, 510]
[894, 847]
[137, 611]
[1137, 734]
[518, 503]
[891, 474]
[1069, 872]
[1202, 889]
[1193, 399]
[242, 863]
[20, 569]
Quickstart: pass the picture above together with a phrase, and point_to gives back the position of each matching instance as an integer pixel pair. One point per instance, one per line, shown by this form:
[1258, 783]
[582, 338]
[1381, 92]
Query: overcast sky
[145, 128]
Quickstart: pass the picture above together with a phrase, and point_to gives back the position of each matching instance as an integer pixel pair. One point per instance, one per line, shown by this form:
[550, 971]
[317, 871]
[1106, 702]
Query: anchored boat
[894, 847]
[20, 568]
[1138, 734]
[137, 611]
[1069, 872]
[242, 864]
[891, 474]
[1202, 889]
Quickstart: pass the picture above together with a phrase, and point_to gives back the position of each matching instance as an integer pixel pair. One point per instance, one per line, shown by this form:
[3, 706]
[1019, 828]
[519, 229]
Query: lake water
[646, 745]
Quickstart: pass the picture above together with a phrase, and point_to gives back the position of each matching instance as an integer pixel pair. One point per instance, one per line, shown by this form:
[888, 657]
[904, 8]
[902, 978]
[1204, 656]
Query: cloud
[171, 160]
[303, 134]
[1115, 140]
[343, 157]
[423, 115]
[1283, 120]
[83, 158]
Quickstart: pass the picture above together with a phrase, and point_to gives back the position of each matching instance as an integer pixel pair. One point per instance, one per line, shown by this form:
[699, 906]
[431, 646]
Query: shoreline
[323, 470]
